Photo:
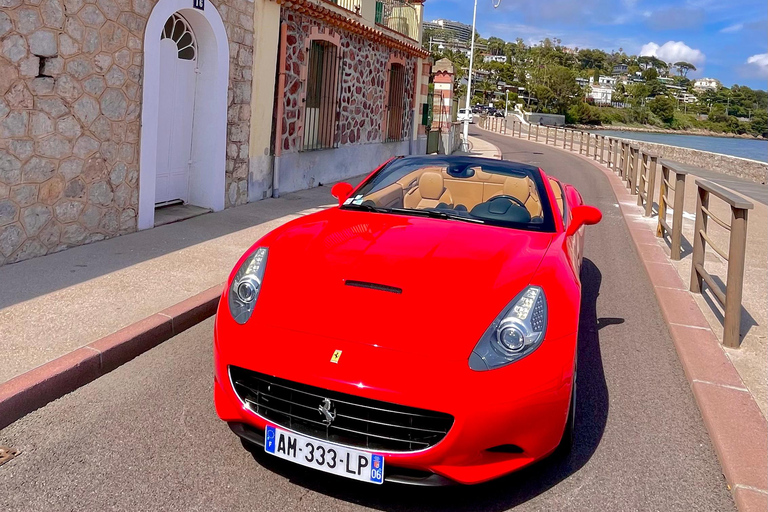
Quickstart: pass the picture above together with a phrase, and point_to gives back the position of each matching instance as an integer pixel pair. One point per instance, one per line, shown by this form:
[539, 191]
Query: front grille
[358, 422]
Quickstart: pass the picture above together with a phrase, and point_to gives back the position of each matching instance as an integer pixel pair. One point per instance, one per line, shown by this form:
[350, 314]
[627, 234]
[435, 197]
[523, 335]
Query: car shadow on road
[511, 490]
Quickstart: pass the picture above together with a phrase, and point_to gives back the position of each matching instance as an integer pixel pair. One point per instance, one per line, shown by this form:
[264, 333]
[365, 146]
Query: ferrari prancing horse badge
[336, 355]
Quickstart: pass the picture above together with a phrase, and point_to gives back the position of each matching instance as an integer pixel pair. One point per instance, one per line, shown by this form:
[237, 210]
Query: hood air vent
[374, 286]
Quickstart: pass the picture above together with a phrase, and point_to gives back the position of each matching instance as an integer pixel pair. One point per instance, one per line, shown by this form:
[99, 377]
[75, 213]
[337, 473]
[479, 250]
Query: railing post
[520, 129]
[735, 278]
[529, 131]
[609, 160]
[597, 138]
[699, 247]
[602, 149]
[616, 149]
[581, 142]
[642, 166]
[572, 139]
[537, 133]
[565, 136]
[651, 185]
[677, 216]
[589, 143]
[546, 140]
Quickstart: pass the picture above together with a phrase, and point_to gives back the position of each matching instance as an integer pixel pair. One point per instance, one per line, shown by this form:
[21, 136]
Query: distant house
[601, 94]
[620, 69]
[495, 58]
[607, 80]
[687, 97]
[706, 84]
[583, 82]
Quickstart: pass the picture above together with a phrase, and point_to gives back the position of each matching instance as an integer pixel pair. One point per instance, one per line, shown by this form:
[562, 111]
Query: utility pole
[496, 3]
[506, 105]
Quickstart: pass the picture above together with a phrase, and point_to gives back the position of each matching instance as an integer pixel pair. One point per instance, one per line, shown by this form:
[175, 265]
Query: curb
[736, 427]
[46, 383]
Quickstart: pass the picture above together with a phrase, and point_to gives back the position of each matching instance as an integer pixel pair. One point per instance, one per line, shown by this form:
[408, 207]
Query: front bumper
[523, 405]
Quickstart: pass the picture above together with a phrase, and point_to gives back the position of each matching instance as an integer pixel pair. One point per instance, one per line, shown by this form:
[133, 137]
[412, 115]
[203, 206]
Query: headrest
[517, 187]
[431, 185]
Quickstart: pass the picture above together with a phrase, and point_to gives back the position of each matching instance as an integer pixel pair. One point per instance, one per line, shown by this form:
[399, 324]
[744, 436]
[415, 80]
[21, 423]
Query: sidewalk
[52, 305]
[480, 148]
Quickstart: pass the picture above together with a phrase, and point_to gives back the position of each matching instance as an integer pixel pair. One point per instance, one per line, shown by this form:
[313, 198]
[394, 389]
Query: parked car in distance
[498, 113]
[465, 115]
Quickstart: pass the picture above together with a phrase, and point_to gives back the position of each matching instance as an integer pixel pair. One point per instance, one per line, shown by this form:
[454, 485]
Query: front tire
[566, 442]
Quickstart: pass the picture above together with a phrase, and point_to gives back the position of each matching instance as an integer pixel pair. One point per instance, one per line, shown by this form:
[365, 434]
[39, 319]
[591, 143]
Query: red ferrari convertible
[423, 331]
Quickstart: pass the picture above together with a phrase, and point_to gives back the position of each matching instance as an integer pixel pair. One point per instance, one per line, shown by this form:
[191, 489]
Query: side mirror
[583, 216]
[341, 191]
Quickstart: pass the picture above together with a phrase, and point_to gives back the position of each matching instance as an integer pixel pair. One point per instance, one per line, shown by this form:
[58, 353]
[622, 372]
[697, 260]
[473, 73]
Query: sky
[724, 39]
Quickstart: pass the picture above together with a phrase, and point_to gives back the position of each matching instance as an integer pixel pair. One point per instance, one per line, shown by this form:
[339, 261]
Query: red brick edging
[35, 388]
[737, 428]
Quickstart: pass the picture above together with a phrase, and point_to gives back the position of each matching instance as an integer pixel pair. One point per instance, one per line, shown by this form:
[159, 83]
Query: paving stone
[67, 45]
[75, 189]
[10, 4]
[8, 211]
[73, 234]
[37, 170]
[55, 107]
[28, 20]
[74, 28]
[49, 235]
[102, 128]
[21, 148]
[91, 16]
[114, 104]
[40, 124]
[68, 210]
[68, 88]
[42, 86]
[43, 43]
[24, 195]
[53, 13]
[71, 167]
[10, 239]
[91, 217]
[91, 42]
[94, 85]
[10, 168]
[85, 146]
[69, 127]
[8, 75]
[18, 96]
[110, 9]
[115, 77]
[54, 146]
[72, 6]
[53, 66]
[79, 67]
[34, 217]
[86, 109]
[51, 190]
[4, 109]
[14, 125]
[5, 24]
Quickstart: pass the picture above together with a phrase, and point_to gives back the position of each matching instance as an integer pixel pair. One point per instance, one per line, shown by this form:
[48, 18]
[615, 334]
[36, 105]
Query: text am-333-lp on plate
[328, 457]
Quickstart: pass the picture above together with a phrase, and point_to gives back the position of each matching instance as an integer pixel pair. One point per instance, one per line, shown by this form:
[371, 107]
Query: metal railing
[730, 297]
[663, 229]
[398, 15]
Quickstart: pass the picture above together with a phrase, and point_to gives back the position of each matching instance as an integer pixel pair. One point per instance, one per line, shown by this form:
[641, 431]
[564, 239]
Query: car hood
[453, 279]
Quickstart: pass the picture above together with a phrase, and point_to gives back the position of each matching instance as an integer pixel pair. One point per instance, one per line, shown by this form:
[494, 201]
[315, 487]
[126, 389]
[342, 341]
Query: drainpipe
[280, 108]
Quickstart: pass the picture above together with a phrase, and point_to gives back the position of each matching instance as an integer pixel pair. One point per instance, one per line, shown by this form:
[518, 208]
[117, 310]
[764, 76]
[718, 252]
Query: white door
[178, 64]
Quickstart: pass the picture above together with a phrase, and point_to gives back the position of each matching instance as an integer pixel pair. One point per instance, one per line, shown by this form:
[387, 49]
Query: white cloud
[732, 28]
[673, 51]
[760, 60]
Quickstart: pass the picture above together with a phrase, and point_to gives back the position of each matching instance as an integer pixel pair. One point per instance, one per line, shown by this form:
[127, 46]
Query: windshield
[454, 188]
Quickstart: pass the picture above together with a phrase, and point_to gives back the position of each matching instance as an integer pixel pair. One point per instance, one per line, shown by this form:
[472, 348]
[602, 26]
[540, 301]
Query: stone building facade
[70, 118]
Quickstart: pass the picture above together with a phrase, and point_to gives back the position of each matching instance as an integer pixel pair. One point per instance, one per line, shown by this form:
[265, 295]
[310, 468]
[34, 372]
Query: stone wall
[733, 165]
[363, 89]
[70, 109]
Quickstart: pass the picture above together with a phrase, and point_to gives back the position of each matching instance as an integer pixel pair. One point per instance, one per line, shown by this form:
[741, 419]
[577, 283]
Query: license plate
[328, 457]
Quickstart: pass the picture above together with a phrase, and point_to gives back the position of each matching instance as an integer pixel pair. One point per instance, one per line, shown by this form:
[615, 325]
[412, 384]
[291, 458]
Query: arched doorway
[184, 109]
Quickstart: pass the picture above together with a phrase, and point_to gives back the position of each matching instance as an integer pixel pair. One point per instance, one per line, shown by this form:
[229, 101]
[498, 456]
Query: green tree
[684, 67]
[663, 107]
[718, 114]
[650, 74]
[759, 124]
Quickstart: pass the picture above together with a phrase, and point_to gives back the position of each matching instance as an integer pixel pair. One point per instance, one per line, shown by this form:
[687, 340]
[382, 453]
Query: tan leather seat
[558, 192]
[430, 192]
[522, 189]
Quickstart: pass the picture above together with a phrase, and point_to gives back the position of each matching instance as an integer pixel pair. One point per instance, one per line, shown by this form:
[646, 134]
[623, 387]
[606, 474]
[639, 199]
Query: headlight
[246, 285]
[516, 332]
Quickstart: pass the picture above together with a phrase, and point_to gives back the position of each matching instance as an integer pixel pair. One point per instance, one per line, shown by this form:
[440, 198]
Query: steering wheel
[512, 199]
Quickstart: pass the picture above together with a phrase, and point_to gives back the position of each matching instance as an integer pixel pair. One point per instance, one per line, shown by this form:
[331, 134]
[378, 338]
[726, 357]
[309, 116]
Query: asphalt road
[146, 437]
